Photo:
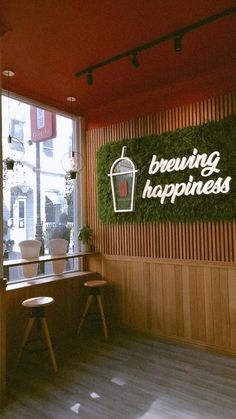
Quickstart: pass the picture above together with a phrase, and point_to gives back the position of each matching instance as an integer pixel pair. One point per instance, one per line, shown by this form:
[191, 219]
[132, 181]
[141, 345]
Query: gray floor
[129, 376]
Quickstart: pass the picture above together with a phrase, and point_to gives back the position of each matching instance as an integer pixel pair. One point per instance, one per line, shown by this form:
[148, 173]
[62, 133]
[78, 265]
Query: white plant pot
[30, 249]
[85, 247]
[58, 247]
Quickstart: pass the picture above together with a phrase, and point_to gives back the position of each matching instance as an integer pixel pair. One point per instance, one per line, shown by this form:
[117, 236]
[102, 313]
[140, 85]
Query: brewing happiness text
[208, 165]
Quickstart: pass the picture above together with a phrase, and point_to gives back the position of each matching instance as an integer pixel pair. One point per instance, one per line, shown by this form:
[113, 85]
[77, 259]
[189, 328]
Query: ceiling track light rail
[176, 36]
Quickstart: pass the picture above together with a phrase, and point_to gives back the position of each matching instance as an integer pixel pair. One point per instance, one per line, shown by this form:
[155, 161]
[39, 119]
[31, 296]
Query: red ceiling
[50, 40]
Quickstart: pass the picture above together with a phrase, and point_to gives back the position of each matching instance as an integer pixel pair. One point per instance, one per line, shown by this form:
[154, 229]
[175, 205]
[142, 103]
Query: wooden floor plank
[129, 376]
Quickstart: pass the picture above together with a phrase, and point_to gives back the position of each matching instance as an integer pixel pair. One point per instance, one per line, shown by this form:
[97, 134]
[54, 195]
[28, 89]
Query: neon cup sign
[123, 176]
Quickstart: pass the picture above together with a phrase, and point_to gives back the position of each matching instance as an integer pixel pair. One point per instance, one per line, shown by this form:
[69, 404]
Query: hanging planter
[9, 163]
[72, 163]
[15, 153]
[16, 148]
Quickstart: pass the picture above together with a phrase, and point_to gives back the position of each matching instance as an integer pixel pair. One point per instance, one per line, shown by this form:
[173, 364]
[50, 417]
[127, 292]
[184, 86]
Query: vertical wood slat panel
[193, 241]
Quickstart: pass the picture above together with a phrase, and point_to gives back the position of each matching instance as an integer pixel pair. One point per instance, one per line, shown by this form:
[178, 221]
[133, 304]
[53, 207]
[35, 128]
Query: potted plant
[85, 235]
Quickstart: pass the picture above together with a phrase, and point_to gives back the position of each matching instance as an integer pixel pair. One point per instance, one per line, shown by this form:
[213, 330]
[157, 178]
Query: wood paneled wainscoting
[188, 302]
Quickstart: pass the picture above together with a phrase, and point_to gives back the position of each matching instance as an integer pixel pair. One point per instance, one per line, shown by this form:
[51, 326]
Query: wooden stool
[37, 314]
[95, 293]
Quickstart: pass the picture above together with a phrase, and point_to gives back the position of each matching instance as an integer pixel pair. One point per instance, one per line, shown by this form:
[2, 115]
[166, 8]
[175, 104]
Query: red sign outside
[43, 124]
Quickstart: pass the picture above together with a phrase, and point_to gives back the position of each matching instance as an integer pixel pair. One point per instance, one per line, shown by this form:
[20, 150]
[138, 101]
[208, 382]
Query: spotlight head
[90, 78]
[134, 60]
[8, 73]
[71, 99]
[178, 42]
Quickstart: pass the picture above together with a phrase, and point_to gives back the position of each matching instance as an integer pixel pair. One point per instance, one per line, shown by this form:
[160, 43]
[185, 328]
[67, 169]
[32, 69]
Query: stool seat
[37, 302]
[95, 283]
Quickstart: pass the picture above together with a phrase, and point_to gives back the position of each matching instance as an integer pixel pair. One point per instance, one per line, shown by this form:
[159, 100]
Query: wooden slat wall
[195, 241]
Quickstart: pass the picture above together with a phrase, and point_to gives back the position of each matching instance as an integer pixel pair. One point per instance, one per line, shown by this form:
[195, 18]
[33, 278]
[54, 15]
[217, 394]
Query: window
[17, 121]
[17, 129]
[40, 116]
[35, 192]
[48, 148]
[21, 214]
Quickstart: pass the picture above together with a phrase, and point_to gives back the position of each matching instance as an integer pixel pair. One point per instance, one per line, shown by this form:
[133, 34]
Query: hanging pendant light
[16, 150]
[72, 162]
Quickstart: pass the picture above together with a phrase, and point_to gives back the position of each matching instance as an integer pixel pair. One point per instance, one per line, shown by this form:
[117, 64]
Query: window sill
[47, 279]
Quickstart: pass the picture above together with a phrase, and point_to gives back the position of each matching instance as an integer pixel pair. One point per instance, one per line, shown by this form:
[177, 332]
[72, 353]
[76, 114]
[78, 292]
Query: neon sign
[123, 177]
[207, 164]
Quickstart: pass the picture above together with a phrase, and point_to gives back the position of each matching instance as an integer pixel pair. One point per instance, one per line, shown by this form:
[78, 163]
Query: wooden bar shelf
[46, 258]
[11, 263]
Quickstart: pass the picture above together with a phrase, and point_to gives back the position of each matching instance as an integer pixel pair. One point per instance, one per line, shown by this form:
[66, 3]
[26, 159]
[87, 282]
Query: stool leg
[49, 343]
[26, 335]
[89, 300]
[102, 316]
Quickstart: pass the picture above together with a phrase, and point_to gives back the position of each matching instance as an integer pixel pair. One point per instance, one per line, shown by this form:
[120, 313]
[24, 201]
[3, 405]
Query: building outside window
[48, 148]
[35, 192]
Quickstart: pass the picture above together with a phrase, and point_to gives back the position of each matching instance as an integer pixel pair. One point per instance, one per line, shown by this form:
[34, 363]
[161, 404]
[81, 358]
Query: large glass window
[37, 196]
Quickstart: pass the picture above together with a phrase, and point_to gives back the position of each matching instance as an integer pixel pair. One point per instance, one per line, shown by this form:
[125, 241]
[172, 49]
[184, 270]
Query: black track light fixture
[176, 37]
[90, 78]
[134, 60]
[178, 42]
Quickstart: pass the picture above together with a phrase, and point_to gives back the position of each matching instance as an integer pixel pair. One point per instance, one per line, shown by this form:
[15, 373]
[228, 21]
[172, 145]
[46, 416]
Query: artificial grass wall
[209, 197]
